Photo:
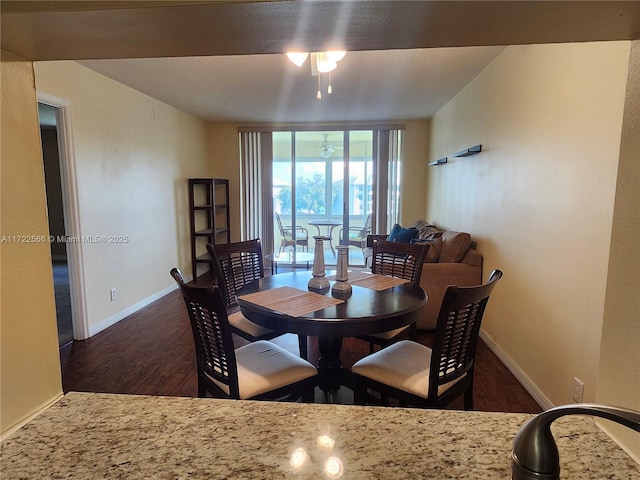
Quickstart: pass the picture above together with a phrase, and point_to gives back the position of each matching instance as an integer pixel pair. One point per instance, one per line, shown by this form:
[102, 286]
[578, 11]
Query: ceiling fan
[327, 148]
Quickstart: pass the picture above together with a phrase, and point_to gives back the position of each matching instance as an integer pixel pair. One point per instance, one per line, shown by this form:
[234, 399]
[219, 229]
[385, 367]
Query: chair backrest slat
[235, 265]
[457, 332]
[400, 260]
[215, 352]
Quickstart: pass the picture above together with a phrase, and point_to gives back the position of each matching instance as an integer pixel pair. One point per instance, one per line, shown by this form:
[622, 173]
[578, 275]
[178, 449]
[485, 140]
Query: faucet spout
[535, 454]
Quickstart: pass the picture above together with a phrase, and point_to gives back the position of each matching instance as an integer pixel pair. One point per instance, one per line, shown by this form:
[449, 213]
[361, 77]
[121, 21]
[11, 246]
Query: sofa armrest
[436, 277]
[372, 237]
[473, 258]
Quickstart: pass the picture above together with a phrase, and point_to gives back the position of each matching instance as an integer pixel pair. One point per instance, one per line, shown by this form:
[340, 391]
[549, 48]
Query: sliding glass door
[322, 186]
[339, 184]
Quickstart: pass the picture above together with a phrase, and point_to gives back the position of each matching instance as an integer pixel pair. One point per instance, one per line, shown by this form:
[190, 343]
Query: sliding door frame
[380, 154]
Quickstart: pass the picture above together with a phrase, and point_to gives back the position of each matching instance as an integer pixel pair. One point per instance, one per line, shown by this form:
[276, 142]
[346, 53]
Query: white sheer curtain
[256, 203]
[387, 157]
[393, 177]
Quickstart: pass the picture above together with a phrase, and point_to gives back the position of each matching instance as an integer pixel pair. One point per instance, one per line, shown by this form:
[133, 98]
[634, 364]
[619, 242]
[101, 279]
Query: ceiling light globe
[323, 64]
[336, 55]
[298, 58]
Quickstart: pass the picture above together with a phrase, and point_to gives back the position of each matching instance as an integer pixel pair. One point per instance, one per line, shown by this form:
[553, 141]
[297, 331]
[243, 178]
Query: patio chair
[357, 236]
[286, 236]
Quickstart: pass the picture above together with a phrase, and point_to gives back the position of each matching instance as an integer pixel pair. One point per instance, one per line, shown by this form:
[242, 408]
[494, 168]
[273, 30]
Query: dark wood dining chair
[400, 260]
[260, 370]
[431, 377]
[236, 264]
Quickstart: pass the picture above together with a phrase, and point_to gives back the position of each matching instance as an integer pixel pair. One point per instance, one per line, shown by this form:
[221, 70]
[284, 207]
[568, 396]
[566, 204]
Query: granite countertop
[88, 435]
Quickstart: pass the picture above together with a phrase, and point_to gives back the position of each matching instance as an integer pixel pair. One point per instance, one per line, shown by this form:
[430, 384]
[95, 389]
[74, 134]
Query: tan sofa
[452, 260]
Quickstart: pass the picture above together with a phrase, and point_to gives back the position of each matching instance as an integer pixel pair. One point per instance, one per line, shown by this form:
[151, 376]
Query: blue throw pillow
[405, 235]
[394, 233]
[401, 235]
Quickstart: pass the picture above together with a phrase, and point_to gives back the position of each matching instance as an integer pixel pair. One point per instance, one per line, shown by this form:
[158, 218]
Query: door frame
[71, 212]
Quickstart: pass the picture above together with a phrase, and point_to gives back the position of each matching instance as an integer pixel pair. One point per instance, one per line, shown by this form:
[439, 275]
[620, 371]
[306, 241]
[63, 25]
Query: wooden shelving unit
[209, 219]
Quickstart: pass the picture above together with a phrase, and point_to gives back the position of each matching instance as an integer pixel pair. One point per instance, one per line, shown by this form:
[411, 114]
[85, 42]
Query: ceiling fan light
[336, 55]
[297, 58]
[323, 64]
[325, 153]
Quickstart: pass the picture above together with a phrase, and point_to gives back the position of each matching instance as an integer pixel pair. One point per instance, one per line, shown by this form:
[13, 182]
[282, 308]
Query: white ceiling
[406, 60]
[367, 85]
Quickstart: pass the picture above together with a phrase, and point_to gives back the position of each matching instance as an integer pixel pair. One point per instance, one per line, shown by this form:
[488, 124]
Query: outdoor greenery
[310, 196]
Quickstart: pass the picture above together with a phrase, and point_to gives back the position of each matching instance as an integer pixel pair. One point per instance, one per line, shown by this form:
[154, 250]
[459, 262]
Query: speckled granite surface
[88, 435]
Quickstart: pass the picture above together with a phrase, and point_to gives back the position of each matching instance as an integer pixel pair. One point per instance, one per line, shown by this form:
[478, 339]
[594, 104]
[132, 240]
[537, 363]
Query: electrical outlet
[113, 294]
[578, 390]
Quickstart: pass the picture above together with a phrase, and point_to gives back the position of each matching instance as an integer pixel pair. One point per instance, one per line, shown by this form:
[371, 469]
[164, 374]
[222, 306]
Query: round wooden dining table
[364, 312]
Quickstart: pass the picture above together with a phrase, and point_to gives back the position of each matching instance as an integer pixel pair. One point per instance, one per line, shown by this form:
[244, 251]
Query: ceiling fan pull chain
[329, 89]
[319, 94]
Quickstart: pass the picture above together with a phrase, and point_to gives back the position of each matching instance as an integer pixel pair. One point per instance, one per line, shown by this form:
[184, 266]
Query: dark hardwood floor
[151, 353]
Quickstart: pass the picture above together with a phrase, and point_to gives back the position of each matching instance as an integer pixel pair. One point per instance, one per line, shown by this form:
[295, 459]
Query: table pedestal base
[330, 371]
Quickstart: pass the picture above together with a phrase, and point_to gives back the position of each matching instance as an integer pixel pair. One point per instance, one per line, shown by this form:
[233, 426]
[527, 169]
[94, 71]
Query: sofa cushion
[401, 235]
[426, 230]
[422, 227]
[454, 246]
[435, 248]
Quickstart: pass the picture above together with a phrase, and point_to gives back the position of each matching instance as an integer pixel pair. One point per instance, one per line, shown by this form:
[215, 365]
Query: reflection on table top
[290, 257]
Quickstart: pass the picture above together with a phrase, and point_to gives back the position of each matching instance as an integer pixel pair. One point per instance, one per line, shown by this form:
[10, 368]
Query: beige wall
[133, 155]
[620, 351]
[225, 148]
[539, 200]
[414, 171]
[29, 361]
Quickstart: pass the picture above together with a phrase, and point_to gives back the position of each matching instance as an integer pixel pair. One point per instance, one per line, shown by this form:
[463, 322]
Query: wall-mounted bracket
[440, 161]
[468, 151]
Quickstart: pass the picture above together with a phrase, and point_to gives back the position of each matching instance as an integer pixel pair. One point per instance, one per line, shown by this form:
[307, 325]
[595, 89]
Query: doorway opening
[57, 232]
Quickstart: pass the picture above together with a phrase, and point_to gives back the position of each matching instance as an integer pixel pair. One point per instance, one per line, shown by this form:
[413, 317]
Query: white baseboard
[113, 319]
[528, 384]
[30, 416]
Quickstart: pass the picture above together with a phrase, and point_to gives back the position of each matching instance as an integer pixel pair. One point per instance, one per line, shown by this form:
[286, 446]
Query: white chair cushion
[239, 321]
[264, 366]
[404, 365]
[390, 334]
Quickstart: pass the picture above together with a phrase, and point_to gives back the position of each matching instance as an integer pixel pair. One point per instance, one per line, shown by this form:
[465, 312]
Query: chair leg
[308, 395]
[413, 332]
[202, 389]
[302, 345]
[359, 392]
[468, 399]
